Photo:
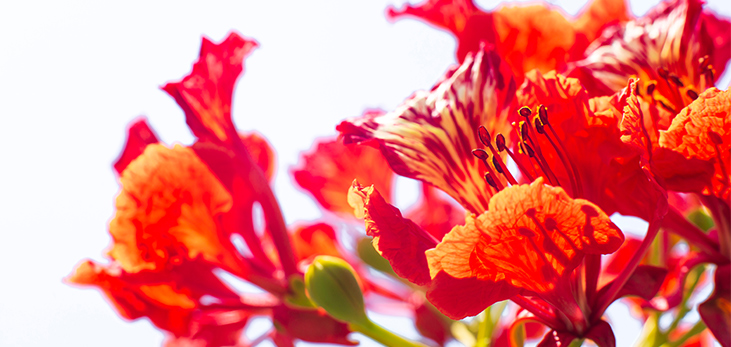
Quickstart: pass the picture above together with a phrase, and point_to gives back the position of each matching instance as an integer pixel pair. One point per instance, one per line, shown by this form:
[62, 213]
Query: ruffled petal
[532, 236]
[431, 136]
[205, 94]
[702, 131]
[139, 135]
[169, 210]
[327, 172]
[458, 298]
[397, 239]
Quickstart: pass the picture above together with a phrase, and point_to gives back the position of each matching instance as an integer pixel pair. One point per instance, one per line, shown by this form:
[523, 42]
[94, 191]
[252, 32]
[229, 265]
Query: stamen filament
[520, 166]
[568, 165]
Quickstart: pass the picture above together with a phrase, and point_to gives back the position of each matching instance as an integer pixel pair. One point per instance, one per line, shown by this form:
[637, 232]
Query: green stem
[383, 336]
[484, 330]
[683, 307]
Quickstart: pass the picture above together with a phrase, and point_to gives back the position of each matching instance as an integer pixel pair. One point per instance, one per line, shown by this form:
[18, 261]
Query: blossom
[327, 171]
[677, 50]
[528, 37]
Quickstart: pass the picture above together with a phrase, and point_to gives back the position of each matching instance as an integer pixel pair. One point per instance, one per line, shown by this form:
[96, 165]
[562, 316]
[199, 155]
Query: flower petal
[458, 298]
[702, 131]
[327, 172]
[310, 326]
[431, 136]
[205, 94]
[669, 37]
[168, 210]
[532, 236]
[397, 239]
[170, 312]
[716, 311]
[139, 135]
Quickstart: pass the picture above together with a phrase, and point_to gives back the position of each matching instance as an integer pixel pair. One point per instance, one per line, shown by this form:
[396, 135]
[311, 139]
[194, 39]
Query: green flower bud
[331, 284]
[370, 256]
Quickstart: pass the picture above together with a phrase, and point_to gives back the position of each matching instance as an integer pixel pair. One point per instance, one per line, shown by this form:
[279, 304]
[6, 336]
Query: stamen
[663, 73]
[691, 94]
[676, 80]
[491, 181]
[525, 111]
[526, 148]
[563, 154]
[500, 142]
[651, 88]
[496, 159]
[538, 154]
[483, 156]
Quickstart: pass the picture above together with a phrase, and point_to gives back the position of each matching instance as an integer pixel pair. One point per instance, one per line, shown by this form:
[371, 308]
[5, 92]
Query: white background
[74, 73]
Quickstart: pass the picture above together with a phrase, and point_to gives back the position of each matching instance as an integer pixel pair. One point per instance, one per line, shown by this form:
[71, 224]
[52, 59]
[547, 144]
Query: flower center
[531, 158]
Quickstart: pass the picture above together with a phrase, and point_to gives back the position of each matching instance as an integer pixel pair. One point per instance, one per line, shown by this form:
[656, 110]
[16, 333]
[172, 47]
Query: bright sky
[74, 73]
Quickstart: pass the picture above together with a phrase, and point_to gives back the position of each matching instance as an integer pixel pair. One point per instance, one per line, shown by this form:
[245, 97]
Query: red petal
[644, 282]
[214, 328]
[602, 334]
[167, 308]
[716, 311]
[397, 239]
[139, 135]
[311, 326]
[458, 298]
[330, 168]
[446, 14]
[205, 94]
[261, 151]
[431, 324]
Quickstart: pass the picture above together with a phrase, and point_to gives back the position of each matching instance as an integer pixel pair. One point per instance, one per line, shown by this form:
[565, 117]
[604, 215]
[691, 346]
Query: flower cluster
[546, 127]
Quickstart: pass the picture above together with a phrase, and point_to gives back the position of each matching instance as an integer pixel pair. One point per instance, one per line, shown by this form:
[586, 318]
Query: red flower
[527, 37]
[677, 50]
[326, 172]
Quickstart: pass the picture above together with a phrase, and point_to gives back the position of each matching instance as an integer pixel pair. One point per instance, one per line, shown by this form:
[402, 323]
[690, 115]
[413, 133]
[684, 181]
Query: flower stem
[383, 336]
[610, 295]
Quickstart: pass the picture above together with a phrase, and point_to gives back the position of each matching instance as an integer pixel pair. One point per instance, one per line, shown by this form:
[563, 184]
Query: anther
[691, 94]
[484, 136]
[490, 181]
[543, 114]
[662, 72]
[651, 88]
[715, 137]
[527, 150]
[500, 142]
[498, 167]
[525, 111]
[676, 80]
[538, 125]
[480, 154]
[524, 131]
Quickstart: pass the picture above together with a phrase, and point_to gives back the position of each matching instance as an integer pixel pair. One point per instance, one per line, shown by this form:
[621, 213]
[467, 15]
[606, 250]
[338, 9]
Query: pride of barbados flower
[532, 237]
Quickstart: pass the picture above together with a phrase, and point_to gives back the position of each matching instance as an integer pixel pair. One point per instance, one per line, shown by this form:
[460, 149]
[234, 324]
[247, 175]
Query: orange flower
[527, 37]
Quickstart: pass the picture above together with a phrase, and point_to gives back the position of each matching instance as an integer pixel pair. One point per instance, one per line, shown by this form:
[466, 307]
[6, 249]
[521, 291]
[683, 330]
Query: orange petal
[702, 131]
[205, 94]
[315, 239]
[431, 136]
[328, 170]
[168, 210]
[532, 236]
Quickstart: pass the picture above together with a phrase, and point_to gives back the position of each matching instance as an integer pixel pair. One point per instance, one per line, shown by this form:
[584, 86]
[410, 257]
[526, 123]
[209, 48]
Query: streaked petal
[431, 136]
